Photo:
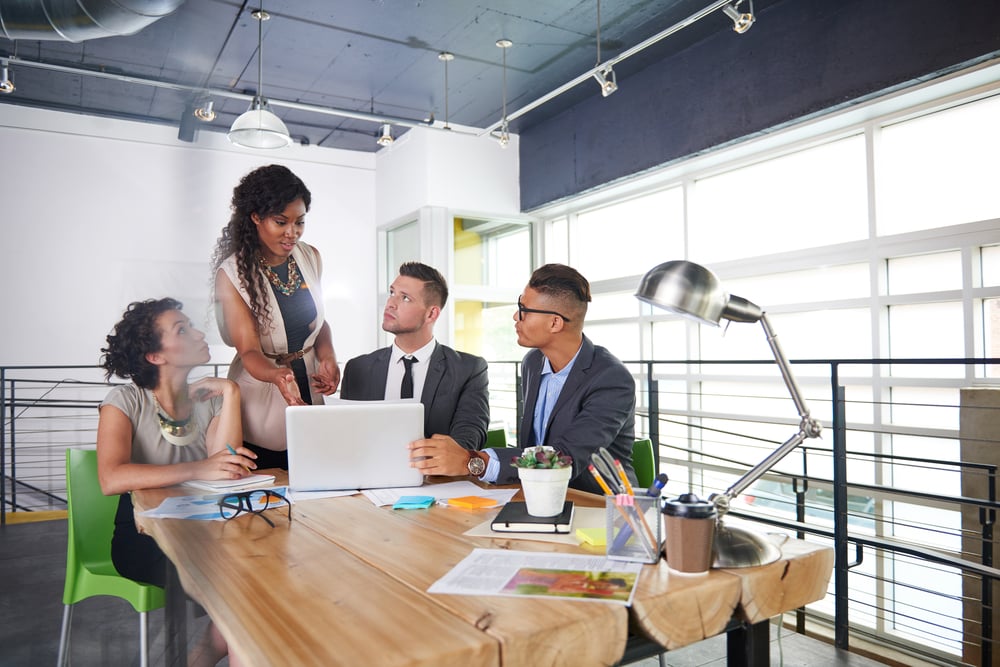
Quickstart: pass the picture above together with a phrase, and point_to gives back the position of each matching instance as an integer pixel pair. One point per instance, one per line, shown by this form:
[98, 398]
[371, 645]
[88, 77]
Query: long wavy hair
[265, 191]
[135, 336]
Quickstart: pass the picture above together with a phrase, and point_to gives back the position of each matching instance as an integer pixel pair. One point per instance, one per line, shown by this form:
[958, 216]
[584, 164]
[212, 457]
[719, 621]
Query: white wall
[97, 213]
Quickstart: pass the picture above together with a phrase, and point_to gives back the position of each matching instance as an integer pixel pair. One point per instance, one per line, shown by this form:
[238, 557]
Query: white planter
[544, 489]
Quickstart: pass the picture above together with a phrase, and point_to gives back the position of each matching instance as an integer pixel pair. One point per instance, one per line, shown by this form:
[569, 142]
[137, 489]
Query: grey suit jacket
[455, 394]
[596, 408]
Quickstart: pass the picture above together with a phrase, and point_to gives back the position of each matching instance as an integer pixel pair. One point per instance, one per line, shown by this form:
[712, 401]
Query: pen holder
[634, 528]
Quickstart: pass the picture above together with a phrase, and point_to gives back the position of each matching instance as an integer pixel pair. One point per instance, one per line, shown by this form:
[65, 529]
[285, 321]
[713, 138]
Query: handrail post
[518, 397]
[840, 563]
[987, 518]
[653, 400]
[3, 446]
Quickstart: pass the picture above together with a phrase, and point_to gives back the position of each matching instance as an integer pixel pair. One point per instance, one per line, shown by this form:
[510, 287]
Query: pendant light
[446, 57]
[502, 135]
[6, 85]
[258, 127]
[605, 77]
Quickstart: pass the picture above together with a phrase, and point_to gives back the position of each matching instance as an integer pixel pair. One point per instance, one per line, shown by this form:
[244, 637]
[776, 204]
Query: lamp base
[738, 547]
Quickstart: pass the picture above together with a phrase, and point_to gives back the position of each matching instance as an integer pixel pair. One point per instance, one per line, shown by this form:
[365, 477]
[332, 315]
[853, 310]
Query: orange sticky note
[472, 502]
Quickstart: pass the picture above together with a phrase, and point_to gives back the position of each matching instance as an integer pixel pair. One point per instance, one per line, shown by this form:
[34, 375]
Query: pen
[657, 485]
[621, 473]
[233, 452]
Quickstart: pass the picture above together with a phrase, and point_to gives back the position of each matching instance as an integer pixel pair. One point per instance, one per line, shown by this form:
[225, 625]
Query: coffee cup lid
[689, 506]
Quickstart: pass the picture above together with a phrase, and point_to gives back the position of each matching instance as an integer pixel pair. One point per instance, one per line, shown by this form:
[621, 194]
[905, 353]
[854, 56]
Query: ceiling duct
[79, 20]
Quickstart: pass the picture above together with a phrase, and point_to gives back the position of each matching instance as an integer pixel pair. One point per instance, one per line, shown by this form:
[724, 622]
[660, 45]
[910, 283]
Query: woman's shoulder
[126, 397]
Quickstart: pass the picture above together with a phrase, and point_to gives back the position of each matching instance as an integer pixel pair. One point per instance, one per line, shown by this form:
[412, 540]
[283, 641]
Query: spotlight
[6, 85]
[502, 135]
[741, 21]
[385, 139]
[206, 112]
[606, 77]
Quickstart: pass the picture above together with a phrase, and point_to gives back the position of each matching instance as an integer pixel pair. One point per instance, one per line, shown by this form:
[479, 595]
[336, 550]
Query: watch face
[476, 465]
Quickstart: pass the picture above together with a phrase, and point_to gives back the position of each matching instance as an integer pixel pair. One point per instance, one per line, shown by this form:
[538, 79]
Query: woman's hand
[284, 380]
[326, 379]
[223, 465]
[209, 387]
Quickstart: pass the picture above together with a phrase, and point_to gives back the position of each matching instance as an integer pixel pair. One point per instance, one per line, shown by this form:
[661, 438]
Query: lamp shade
[259, 128]
[690, 289]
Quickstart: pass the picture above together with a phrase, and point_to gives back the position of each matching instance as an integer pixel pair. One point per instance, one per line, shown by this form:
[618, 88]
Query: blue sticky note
[413, 502]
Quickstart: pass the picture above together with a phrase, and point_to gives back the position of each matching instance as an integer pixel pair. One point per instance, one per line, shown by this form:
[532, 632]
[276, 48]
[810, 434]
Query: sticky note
[472, 502]
[413, 502]
[596, 537]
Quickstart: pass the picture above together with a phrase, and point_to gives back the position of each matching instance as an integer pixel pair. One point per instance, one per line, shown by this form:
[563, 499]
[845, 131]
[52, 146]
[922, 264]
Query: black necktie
[406, 386]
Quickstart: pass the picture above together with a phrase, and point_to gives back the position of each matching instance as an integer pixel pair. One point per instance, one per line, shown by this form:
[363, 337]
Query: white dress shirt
[396, 369]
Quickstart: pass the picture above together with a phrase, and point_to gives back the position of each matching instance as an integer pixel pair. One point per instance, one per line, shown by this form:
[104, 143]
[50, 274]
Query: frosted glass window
[556, 241]
[811, 198]
[939, 169]
[849, 281]
[628, 238]
[670, 341]
[925, 331]
[489, 252]
[403, 246]
[991, 332]
[608, 306]
[621, 339]
[990, 261]
[925, 273]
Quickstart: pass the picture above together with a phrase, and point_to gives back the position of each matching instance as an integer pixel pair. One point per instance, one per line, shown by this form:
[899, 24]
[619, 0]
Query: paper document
[535, 574]
[200, 508]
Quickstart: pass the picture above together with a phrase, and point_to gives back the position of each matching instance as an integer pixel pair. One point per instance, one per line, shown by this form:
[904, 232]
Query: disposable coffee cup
[690, 527]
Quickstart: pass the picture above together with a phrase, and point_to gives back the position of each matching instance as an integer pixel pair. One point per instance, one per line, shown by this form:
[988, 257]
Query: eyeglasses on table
[253, 502]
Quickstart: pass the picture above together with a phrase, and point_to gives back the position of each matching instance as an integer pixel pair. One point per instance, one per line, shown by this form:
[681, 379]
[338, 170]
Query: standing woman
[269, 307]
[159, 431]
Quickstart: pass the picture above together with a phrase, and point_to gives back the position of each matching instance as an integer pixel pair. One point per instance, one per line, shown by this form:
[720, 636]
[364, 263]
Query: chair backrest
[91, 513]
[643, 460]
[496, 437]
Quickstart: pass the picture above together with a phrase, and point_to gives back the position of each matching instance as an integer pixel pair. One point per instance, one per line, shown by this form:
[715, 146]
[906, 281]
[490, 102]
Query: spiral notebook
[353, 445]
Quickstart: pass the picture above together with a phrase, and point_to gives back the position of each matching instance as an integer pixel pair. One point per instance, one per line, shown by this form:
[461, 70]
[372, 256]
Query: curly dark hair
[264, 191]
[135, 336]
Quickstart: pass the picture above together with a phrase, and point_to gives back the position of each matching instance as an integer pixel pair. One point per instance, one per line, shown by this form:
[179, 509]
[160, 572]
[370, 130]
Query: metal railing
[886, 486]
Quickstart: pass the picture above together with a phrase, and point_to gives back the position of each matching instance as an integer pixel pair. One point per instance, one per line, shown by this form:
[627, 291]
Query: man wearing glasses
[578, 397]
[453, 386]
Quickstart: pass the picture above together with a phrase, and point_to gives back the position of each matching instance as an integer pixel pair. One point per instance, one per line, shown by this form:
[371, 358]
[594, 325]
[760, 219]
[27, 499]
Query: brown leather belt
[287, 359]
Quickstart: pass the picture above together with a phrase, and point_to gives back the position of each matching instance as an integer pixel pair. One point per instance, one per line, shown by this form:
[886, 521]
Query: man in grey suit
[578, 397]
[453, 386]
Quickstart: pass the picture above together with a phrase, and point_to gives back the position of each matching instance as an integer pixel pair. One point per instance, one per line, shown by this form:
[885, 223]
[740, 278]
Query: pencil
[621, 473]
[233, 452]
[600, 480]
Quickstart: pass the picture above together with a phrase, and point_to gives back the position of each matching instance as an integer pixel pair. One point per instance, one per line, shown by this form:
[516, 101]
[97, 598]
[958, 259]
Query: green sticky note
[413, 502]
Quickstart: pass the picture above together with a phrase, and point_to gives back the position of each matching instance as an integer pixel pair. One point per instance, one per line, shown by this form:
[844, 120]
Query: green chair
[496, 437]
[89, 570]
[644, 462]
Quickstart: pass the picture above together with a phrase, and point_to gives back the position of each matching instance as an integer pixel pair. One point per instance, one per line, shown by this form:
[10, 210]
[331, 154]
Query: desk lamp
[692, 290]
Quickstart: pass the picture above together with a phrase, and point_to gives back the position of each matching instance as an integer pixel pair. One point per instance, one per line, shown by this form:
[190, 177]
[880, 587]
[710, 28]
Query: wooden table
[345, 583]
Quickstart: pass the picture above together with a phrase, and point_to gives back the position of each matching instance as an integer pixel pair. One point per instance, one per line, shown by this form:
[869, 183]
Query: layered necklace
[288, 287]
[177, 432]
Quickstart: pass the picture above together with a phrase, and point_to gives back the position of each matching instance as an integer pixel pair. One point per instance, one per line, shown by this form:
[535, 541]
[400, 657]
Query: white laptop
[347, 445]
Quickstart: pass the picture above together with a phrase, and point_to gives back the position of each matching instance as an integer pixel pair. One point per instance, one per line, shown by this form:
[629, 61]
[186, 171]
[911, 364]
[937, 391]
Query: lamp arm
[808, 427]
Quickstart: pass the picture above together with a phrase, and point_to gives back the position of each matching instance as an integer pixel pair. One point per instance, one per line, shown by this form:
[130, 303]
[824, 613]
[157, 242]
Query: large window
[877, 240]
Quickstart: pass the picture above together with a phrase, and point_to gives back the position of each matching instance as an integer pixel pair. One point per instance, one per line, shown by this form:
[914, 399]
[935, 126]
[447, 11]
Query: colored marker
[233, 452]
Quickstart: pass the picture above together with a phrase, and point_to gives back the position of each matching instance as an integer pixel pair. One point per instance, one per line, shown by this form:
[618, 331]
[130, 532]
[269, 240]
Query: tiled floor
[106, 630]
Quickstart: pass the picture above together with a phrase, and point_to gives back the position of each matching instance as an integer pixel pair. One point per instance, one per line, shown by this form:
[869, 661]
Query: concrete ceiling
[375, 57]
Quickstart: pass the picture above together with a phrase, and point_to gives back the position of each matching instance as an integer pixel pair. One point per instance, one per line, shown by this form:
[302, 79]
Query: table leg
[175, 619]
[749, 646]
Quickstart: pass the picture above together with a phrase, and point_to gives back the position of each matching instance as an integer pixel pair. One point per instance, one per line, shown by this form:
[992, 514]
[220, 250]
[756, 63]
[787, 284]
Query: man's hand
[439, 455]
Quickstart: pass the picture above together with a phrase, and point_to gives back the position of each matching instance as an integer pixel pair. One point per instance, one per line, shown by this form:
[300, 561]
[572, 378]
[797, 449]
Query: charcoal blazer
[596, 408]
[455, 394]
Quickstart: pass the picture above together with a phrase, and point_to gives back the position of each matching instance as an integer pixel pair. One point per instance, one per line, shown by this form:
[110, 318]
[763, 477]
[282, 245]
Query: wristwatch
[476, 465]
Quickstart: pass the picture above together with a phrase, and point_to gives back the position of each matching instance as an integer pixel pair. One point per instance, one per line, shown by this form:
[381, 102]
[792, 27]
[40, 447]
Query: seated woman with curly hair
[158, 430]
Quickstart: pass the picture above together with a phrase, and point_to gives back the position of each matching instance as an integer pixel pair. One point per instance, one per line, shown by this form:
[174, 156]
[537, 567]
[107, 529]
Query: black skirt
[136, 556]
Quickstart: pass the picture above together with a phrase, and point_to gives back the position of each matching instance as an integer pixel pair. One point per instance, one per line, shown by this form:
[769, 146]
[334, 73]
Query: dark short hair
[435, 287]
[135, 336]
[562, 282]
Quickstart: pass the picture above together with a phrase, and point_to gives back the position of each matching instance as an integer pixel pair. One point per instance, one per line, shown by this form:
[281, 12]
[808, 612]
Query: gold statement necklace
[288, 287]
[177, 432]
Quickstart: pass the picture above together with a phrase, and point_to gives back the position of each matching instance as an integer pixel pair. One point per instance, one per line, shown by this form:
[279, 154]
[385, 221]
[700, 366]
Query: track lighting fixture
[502, 135]
[446, 58]
[6, 85]
[606, 77]
[206, 112]
[385, 139]
[258, 127]
[741, 21]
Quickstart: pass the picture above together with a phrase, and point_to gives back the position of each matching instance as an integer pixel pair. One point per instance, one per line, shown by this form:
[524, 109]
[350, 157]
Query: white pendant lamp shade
[259, 128]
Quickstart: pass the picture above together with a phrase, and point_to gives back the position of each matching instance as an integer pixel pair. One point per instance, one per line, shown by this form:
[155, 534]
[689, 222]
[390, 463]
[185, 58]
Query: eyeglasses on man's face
[522, 309]
[253, 502]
